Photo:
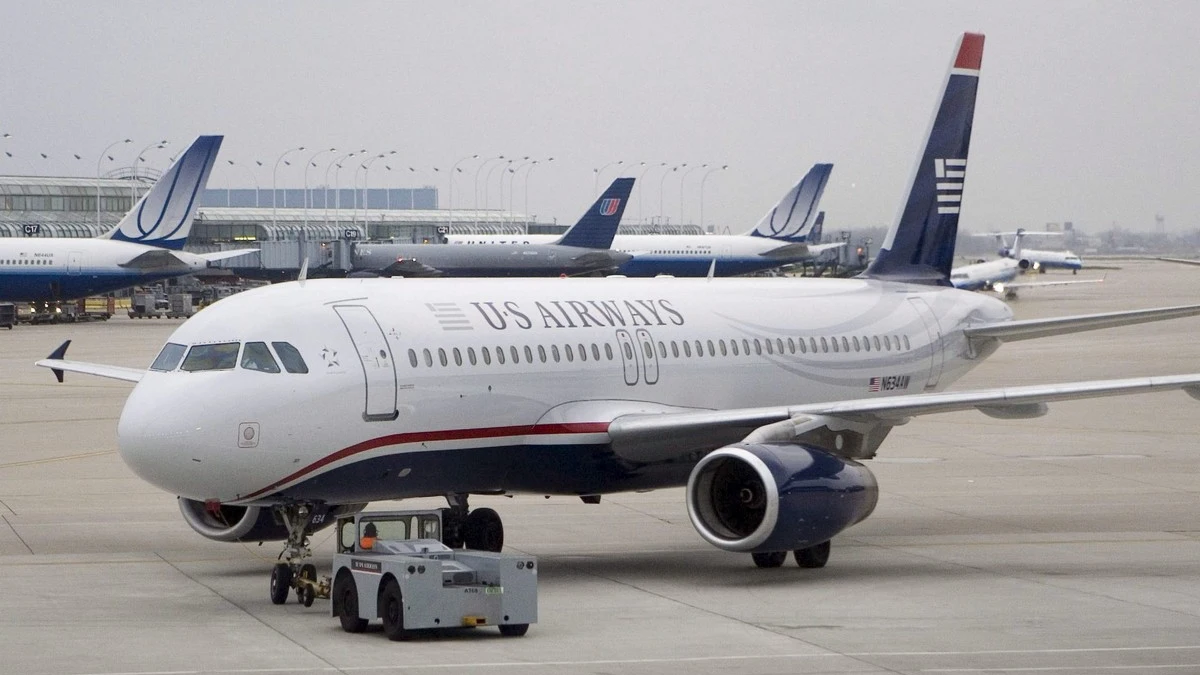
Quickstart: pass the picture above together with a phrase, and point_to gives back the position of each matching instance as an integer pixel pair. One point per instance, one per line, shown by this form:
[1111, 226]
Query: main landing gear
[292, 572]
[480, 530]
[811, 557]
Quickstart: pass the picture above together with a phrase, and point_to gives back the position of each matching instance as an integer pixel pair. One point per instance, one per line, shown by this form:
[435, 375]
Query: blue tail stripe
[210, 158]
[599, 225]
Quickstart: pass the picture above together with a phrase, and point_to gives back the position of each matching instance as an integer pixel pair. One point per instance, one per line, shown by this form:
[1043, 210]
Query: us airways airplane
[761, 397]
[583, 249]
[784, 236]
[146, 246]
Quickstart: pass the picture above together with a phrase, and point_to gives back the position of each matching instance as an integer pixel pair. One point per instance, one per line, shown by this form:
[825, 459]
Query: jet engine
[224, 522]
[755, 498]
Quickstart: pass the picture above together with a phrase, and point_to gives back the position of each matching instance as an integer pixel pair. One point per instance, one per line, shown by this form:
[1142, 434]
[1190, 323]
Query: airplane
[761, 397]
[1036, 259]
[783, 236]
[145, 247]
[583, 249]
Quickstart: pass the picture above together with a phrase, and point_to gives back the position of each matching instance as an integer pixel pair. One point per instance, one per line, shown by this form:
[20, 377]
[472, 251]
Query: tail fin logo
[609, 207]
[950, 174]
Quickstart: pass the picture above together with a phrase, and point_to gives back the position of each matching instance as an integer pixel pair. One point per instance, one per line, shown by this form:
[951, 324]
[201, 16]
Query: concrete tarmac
[1066, 544]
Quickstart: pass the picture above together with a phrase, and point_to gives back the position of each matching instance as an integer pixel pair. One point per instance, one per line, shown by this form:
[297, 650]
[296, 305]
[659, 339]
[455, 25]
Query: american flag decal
[949, 174]
[609, 206]
[876, 383]
[450, 316]
[888, 383]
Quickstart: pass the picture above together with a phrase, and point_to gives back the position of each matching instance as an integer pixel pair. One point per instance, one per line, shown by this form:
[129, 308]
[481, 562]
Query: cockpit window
[290, 356]
[211, 357]
[169, 357]
[256, 356]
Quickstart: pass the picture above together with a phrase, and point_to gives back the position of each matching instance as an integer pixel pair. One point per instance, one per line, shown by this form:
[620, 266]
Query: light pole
[311, 162]
[253, 178]
[488, 181]
[275, 185]
[642, 221]
[453, 170]
[596, 176]
[702, 179]
[337, 191]
[100, 159]
[133, 170]
[528, 175]
[512, 183]
[477, 170]
[683, 178]
[411, 199]
[661, 183]
[366, 167]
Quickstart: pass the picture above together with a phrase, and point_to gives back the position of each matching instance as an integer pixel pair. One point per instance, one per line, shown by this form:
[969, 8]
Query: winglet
[598, 226]
[303, 275]
[795, 217]
[712, 269]
[920, 245]
[57, 355]
[163, 216]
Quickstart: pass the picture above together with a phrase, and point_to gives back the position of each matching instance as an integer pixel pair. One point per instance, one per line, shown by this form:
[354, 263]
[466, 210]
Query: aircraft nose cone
[161, 445]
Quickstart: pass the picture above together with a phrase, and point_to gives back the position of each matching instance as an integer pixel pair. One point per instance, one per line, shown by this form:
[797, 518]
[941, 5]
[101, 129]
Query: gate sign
[32, 229]
[350, 233]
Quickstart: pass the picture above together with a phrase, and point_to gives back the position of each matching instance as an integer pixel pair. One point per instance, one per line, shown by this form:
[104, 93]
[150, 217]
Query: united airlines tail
[598, 226]
[163, 216]
[920, 245]
[794, 217]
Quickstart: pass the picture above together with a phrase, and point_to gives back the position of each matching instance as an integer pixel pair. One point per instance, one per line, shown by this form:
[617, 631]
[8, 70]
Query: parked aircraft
[1036, 259]
[782, 237]
[145, 247]
[760, 396]
[583, 249]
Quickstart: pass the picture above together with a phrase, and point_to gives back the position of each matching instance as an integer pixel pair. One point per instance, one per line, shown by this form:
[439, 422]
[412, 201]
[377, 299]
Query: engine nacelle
[230, 523]
[754, 498]
[1024, 264]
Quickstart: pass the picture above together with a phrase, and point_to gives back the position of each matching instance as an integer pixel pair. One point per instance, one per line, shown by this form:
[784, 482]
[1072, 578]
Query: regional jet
[787, 234]
[760, 397]
[146, 246]
[582, 250]
[1036, 259]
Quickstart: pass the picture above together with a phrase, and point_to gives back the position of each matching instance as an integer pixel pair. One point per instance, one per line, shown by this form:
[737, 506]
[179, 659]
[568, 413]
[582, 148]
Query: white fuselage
[407, 393]
[679, 254]
[47, 269]
[1041, 259]
[984, 275]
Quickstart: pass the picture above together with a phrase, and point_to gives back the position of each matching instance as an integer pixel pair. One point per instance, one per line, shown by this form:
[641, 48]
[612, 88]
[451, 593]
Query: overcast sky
[1087, 111]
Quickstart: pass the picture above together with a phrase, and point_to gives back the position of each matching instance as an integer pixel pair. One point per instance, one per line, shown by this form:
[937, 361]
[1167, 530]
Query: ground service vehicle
[393, 565]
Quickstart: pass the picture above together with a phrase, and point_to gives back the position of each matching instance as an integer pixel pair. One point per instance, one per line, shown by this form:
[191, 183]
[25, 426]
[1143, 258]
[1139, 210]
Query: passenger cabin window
[256, 356]
[221, 356]
[169, 357]
[412, 357]
[290, 357]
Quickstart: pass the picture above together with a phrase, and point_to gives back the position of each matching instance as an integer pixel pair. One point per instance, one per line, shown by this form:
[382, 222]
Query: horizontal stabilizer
[157, 259]
[214, 256]
[1011, 331]
[57, 364]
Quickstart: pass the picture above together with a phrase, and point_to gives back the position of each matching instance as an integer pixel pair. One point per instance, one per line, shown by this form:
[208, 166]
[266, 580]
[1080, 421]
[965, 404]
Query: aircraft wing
[641, 437]
[159, 258]
[1003, 287]
[800, 250]
[1184, 261]
[409, 267]
[58, 364]
[1011, 331]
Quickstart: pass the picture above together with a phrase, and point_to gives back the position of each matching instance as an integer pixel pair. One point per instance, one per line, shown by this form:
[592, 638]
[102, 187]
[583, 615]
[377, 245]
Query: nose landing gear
[292, 572]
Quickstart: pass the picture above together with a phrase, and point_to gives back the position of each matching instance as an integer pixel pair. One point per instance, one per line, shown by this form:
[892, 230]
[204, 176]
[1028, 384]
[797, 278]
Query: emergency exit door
[375, 356]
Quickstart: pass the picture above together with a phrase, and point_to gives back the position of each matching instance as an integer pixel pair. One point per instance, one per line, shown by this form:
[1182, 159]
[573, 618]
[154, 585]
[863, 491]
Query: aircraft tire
[814, 556]
[391, 610]
[281, 582]
[769, 559]
[484, 531]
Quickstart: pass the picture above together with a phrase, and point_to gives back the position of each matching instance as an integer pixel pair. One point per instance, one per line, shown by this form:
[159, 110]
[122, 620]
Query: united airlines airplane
[146, 246]
[787, 234]
[761, 397]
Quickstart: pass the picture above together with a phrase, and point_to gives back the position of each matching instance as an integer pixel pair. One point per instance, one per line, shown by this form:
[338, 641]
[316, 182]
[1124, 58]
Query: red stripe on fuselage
[970, 54]
[437, 435]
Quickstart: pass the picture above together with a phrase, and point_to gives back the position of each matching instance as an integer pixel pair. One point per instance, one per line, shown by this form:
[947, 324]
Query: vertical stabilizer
[598, 226]
[920, 245]
[163, 216]
[794, 217]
